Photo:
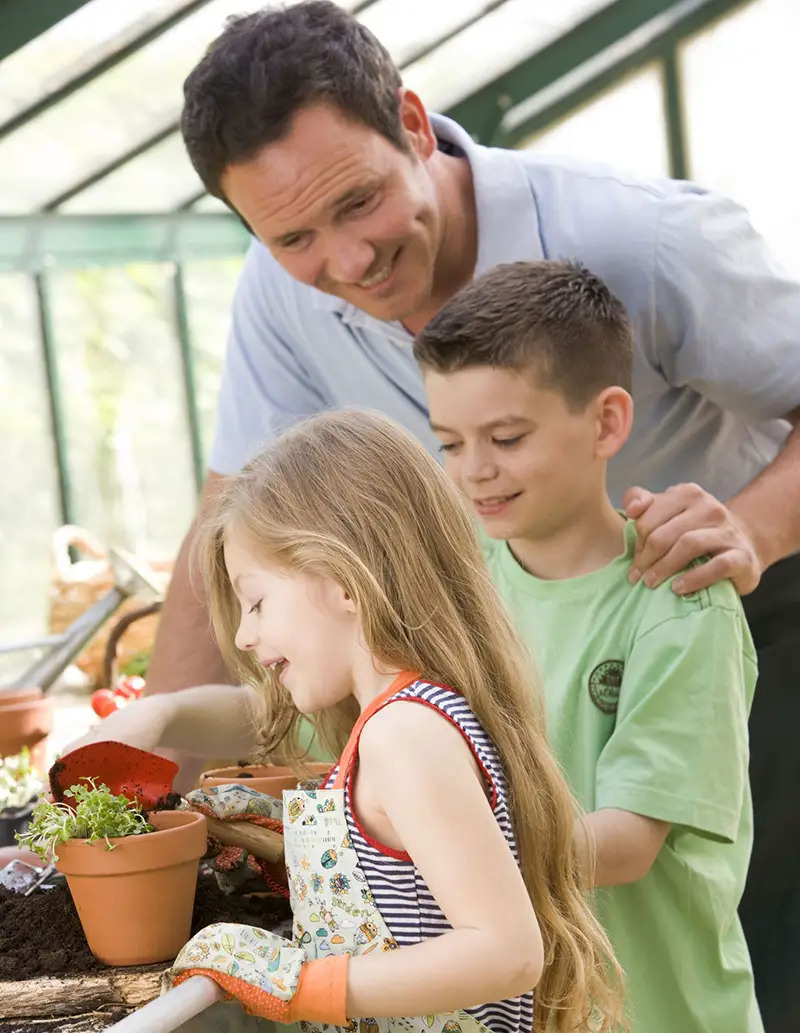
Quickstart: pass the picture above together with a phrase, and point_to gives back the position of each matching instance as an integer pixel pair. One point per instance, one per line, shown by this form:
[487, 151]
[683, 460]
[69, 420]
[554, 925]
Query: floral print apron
[333, 909]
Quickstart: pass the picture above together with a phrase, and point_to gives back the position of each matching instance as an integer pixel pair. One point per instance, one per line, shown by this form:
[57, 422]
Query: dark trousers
[770, 908]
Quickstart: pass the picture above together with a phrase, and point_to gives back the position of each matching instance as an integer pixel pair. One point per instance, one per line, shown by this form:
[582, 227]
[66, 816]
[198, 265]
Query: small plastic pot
[270, 779]
[14, 819]
[135, 902]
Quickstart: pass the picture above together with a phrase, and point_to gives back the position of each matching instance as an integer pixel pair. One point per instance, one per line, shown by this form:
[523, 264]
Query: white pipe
[173, 1008]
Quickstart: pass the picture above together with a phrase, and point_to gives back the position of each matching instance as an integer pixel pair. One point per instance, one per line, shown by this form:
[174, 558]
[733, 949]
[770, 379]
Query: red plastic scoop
[137, 774]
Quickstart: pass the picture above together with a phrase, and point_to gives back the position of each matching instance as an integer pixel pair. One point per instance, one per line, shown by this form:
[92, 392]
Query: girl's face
[303, 626]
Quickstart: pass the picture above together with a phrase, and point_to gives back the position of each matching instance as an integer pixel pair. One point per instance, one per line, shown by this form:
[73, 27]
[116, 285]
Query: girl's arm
[206, 721]
[419, 790]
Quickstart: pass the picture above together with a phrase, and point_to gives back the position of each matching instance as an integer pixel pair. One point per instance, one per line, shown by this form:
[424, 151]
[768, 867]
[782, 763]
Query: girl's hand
[272, 977]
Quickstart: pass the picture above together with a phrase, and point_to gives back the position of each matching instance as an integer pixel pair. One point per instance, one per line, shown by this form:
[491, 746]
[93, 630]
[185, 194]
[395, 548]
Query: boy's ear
[614, 414]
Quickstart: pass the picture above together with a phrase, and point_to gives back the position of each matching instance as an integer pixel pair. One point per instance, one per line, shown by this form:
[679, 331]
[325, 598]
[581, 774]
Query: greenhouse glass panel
[159, 178]
[407, 26]
[209, 294]
[742, 81]
[210, 204]
[29, 510]
[128, 442]
[72, 46]
[490, 47]
[601, 130]
[109, 115]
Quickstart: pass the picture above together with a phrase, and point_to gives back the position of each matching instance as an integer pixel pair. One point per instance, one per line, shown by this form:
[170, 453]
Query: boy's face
[526, 462]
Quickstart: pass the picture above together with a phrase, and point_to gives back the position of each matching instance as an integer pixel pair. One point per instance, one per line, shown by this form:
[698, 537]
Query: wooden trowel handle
[255, 839]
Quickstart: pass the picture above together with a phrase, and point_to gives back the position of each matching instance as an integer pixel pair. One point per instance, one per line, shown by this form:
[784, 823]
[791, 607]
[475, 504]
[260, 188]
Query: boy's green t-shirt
[647, 699]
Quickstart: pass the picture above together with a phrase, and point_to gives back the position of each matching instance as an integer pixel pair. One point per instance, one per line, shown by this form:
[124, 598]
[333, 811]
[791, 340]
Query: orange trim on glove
[321, 994]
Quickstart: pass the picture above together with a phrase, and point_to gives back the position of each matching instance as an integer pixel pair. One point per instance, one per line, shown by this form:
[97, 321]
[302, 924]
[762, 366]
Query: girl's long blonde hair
[353, 497]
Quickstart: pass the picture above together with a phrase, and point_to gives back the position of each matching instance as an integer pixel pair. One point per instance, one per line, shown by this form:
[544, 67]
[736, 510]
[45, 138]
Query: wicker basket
[76, 586]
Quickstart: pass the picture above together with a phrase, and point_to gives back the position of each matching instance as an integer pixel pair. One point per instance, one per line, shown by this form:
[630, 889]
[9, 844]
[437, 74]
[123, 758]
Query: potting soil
[41, 935]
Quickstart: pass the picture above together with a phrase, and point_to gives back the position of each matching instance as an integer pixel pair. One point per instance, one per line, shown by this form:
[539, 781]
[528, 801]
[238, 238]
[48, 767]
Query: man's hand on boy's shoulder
[683, 524]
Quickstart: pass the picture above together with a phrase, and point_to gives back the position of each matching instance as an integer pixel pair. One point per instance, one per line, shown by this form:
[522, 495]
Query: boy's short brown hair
[554, 317]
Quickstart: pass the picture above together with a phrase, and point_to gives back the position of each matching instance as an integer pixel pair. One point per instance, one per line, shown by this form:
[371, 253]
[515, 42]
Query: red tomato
[104, 702]
[130, 687]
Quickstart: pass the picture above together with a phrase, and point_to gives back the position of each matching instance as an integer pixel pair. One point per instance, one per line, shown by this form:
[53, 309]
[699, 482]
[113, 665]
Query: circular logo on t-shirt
[605, 682]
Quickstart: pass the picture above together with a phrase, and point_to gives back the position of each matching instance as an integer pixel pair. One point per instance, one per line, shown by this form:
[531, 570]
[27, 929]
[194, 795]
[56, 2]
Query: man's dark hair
[266, 66]
[556, 318]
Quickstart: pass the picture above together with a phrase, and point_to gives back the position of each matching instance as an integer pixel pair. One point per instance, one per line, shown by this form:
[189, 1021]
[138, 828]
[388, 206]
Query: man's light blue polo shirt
[716, 322]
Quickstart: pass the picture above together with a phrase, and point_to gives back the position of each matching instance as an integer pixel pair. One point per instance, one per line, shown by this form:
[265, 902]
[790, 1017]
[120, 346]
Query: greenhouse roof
[92, 166]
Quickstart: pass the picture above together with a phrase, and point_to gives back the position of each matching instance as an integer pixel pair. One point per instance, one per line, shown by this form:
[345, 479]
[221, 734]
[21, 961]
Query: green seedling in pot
[96, 814]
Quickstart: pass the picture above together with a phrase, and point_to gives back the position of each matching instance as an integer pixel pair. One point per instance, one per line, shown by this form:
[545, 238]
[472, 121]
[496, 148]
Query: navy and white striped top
[400, 892]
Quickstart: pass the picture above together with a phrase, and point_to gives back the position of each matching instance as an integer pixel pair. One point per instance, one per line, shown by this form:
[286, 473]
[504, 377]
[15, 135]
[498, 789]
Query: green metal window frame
[22, 20]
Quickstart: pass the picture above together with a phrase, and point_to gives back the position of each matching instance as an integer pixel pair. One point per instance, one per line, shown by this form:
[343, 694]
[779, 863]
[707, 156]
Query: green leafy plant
[19, 783]
[137, 665]
[99, 814]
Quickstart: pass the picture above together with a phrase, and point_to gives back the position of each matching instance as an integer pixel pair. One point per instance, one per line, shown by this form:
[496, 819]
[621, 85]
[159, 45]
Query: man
[369, 214]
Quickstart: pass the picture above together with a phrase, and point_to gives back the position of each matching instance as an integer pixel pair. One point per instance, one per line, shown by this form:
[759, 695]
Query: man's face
[345, 211]
[525, 461]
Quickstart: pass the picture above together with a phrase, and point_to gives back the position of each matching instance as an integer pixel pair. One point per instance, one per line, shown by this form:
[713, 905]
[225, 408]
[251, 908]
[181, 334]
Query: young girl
[345, 580]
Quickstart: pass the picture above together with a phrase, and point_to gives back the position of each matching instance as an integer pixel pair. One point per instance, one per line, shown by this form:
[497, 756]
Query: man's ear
[416, 124]
[614, 418]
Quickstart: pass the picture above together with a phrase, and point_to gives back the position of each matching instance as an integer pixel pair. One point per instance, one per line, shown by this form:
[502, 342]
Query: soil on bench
[41, 935]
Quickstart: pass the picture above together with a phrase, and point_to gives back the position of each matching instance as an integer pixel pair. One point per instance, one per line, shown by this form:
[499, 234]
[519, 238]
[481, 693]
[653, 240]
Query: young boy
[528, 374]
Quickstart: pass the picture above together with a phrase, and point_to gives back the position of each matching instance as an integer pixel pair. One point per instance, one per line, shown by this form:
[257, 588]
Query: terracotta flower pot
[26, 717]
[135, 902]
[271, 779]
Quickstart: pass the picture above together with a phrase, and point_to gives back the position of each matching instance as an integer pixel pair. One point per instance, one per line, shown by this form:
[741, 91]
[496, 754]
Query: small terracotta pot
[135, 902]
[19, 695]
[271, 779]
[26, 717]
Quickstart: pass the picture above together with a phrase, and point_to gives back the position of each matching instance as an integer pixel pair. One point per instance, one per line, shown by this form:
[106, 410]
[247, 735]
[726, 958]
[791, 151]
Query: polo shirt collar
[508, 221]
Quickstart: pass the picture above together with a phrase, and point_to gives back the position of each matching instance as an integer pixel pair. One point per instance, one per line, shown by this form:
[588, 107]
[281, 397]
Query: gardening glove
[237, 802]
[234, 868]
[267, 975]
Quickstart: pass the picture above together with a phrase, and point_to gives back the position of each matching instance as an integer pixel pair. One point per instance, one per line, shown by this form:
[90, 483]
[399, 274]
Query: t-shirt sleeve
[727, 315]
[679, 750]
[265, 386]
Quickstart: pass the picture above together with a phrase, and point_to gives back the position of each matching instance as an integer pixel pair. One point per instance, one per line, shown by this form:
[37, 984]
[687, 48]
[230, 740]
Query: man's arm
[742, 537]
[727, 326]
[619, 847]
[185, 653]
